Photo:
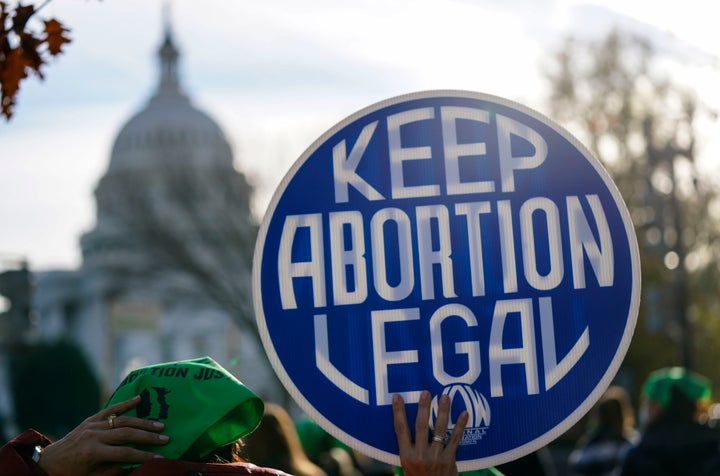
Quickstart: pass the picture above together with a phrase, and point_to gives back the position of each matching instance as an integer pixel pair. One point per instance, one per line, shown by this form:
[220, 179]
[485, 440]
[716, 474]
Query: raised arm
[98, 445]
[427, 456]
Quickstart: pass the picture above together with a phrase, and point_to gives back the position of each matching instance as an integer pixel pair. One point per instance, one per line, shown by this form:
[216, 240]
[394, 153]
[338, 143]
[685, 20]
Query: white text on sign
[345, 165]
[425, 253]
[351, 257]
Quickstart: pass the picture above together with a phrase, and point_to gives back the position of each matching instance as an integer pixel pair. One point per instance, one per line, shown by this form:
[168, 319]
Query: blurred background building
[173, 227]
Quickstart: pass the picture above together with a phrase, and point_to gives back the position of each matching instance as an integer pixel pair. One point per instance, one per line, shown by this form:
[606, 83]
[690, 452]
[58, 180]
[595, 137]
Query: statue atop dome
[168, 53]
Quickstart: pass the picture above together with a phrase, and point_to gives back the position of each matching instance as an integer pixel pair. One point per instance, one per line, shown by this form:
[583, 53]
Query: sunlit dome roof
[169, 130]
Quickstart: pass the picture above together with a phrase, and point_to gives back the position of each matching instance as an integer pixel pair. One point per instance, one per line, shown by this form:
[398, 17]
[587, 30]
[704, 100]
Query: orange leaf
[3, 15]
[55, 36]
[21, 17]
[29, 45]
[13, 71]
[4, 44]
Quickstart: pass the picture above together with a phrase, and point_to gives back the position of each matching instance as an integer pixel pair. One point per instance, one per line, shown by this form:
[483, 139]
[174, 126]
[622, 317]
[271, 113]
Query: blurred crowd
[674, 431]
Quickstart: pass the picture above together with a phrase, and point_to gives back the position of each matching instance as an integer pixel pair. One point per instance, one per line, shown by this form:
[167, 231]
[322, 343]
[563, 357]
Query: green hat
[202, 405]
[315, 440]
[659, 384]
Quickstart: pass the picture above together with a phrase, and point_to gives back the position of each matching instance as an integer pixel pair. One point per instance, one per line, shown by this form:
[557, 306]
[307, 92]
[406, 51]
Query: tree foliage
[614, 95]
[24, 48]
[192, 220]
[194, 233]
[53, 387]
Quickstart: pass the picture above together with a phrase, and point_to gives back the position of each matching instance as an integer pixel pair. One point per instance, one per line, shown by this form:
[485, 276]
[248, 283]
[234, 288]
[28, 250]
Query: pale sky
[277, 74]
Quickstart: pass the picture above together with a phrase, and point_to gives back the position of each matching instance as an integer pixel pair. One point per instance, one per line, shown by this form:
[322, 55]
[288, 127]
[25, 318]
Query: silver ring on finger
[439, 439]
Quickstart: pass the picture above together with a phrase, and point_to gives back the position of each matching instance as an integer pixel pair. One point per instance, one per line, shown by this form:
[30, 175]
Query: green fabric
[202, 405]
[659, 384]
[482, 472]
[315, 440]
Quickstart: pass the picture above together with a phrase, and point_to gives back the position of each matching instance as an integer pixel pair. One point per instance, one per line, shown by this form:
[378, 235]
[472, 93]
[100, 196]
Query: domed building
[166, 272]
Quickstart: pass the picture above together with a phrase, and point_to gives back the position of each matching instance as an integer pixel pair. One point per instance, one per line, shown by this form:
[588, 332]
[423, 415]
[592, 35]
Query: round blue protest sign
[454, 242]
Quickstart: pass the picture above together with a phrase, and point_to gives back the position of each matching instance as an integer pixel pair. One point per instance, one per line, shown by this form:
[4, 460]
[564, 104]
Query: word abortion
[348, 250]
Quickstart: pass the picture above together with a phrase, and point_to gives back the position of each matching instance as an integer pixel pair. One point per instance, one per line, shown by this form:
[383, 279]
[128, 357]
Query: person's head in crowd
[204, 408]
[323, 449]
[614, 411]
[674, 394]
[275, 443]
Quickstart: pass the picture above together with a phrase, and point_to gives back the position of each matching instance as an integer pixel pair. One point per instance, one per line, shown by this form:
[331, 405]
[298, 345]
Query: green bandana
[659, 384]
[202, 405]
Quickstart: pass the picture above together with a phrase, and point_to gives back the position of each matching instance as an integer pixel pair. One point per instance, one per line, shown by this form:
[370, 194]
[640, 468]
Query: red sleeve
[16, 455]
[169, 467]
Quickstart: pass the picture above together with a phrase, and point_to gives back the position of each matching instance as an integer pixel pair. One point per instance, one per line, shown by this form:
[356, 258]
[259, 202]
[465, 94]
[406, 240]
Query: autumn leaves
[24, 49]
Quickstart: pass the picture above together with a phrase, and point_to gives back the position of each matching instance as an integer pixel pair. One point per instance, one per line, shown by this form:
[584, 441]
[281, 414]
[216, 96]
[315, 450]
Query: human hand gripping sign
[425, 456]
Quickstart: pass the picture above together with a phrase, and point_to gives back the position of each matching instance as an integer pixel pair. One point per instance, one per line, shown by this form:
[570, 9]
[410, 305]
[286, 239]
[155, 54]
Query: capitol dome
[160, 160]
[169, 130]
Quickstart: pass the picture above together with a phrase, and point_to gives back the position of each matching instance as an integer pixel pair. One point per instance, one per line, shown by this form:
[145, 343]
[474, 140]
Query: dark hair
[679, 409]
[275, 444]
[610, 413]
[226, 454]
